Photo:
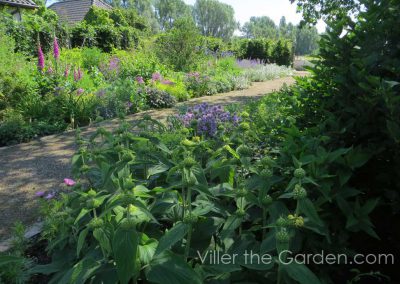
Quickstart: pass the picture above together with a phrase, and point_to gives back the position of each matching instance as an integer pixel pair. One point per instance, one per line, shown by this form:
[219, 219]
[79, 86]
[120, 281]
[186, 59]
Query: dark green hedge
[268, 51]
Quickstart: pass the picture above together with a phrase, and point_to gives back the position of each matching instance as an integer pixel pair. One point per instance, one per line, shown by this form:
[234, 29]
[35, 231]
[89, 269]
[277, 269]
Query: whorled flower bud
[282, 236]
[299, 192]
[244, 151]
[245, 114]
[196, 139]
[128, 156]
[241, 192]
[299, 173]
[185, 131]
[267, 161]
[91, 193]
[266, 200]
[299, 222]
[188, 143]
[281, 222]
[189, 162]
[84, 169]
[244, 126]
[93, 203]
[190, 219]
[266, 173]
[96, 223]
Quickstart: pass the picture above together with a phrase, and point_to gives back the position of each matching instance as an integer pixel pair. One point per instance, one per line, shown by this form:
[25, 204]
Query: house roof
[20, 3]
[74, 11]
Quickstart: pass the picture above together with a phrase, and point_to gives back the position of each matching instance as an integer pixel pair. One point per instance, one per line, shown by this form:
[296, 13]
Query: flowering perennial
[208, 118]
[40, 59]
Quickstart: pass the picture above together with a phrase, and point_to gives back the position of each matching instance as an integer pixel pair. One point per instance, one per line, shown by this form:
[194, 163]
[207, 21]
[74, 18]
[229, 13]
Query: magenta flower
[167, 82]
[56, 49]
[139, 79]
[66, 72]
[40, 193]
[78, 74]
[40, 59]
[156, 77]
[69, 182]
[50, 196]
[80, 91]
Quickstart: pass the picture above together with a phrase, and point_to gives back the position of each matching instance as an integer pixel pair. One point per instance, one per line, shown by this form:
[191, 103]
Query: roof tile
[74, 11]
[20, 3]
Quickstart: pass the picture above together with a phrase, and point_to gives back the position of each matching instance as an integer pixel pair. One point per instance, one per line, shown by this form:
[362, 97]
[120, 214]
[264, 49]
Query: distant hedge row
[268, 51]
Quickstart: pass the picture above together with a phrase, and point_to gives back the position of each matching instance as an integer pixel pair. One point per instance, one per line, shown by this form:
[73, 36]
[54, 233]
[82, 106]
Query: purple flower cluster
[156, 77]
[208, 118]
[139, 80]
[196, 77]
[113, 65]
[245, 63]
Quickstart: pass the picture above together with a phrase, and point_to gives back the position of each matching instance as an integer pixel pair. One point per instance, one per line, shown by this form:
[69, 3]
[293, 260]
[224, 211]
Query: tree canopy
[214, 18]
[167, 11]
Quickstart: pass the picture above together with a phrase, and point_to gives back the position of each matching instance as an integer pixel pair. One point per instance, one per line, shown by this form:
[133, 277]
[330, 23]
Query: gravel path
[42, 164]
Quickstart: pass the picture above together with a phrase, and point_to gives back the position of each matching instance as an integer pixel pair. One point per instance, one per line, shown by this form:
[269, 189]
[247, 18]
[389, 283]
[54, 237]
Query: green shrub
[156, 98]
[181, 46]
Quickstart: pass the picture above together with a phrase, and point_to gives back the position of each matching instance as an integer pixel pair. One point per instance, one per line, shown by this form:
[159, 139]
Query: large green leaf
[83, 270]
[300, 273]
[169, 268]
[125, 247]
[173, 236]
[308, 208]
[101, 236]
[147, 248]
[81, 241]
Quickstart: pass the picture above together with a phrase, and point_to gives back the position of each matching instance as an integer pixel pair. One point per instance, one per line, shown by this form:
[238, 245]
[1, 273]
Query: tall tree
[260, 27]
[306, 40]
[144, 8]
[167, 11]
[215, 18]
[330, 10]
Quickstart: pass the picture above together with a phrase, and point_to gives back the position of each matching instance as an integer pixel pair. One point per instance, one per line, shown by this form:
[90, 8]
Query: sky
[275, 9]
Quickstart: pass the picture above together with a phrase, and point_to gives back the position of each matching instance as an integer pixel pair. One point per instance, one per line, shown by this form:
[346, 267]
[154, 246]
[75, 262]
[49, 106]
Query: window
[16, 15]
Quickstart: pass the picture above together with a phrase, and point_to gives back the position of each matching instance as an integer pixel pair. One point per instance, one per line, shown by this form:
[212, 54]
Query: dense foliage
[81, 86]
[313, 168]
[304, 38]
[267, 51]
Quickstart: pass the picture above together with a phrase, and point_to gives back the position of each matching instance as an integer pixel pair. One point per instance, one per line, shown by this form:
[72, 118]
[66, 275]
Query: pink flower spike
[69, 182]
[56, 49]
[40, 59]
[66, 72]
[40, 193]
